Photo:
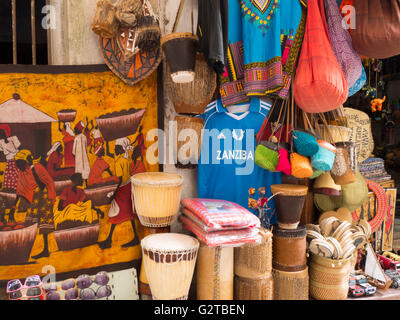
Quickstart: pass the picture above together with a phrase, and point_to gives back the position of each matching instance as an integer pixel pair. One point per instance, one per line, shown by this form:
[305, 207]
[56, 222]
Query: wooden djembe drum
[289, 201]
[169, 260]
[144, 287]
[156, 198]
[289, 259]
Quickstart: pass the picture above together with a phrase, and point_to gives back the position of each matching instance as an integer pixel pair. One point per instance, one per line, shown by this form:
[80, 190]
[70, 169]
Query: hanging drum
[169, 261]
[180, 51]
[289, 249]
[156, 197]
[189, 140]
[344, 168]
[194, 96]
[289, 201]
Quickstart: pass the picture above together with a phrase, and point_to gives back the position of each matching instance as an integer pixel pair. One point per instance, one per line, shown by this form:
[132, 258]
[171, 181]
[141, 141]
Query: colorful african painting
[69, 143]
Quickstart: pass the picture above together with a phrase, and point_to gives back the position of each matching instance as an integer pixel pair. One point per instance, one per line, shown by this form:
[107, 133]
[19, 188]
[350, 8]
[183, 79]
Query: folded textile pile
[219, 222]
[374, 169]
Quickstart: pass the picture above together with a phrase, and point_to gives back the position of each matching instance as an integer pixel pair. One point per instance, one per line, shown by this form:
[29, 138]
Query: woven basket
[329, 279]
[254, 289]
[193, 97]
[338, 133]
[291, 285]
[254, 261]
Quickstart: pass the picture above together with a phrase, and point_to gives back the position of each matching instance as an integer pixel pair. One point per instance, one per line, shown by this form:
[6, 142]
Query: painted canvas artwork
[388, 222]
[69, 143]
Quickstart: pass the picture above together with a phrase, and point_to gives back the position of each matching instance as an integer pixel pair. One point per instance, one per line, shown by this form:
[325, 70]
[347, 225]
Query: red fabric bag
[320, 84]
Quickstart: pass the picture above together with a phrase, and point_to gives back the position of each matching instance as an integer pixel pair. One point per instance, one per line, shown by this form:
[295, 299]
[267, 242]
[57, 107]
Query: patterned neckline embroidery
[261, 5]
[263, 21]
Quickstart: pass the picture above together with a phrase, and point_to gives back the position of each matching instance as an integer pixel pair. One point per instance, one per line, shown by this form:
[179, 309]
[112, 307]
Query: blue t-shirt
[226, 168]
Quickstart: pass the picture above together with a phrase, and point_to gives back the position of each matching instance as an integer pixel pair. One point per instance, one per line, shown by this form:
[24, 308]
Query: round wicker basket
[337, 133]
[329, 279]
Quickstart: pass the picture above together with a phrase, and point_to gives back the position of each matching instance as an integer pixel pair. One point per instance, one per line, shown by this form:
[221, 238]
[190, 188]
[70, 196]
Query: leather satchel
[377, 32]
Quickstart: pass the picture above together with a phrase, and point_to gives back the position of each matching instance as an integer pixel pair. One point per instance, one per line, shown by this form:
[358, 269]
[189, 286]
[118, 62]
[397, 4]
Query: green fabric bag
[266, 155]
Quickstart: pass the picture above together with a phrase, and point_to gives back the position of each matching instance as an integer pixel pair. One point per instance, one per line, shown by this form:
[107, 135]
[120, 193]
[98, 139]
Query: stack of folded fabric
[374, 169]
[219, 222]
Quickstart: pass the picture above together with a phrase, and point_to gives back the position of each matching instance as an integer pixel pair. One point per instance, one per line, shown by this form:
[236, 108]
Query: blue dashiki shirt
[273, 31]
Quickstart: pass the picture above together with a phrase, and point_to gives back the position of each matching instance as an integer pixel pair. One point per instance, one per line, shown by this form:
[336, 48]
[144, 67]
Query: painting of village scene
[69, 143]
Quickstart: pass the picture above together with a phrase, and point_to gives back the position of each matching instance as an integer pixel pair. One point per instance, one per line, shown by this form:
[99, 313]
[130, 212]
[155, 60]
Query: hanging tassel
[148, 34]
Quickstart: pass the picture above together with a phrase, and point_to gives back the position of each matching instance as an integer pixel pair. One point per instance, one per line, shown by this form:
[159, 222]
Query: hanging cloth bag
[323, 160]
[305, 140]
[320, 84]
[284, 165]
[266, 153]
[300, 165]
[347, 57]
[377, 32]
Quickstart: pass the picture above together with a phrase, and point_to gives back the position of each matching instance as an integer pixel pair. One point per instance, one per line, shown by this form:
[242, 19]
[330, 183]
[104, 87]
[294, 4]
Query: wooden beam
[33, 28]
[14, 30]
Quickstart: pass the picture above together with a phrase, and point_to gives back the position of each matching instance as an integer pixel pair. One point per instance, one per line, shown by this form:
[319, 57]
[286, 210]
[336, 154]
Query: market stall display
[276, 108]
